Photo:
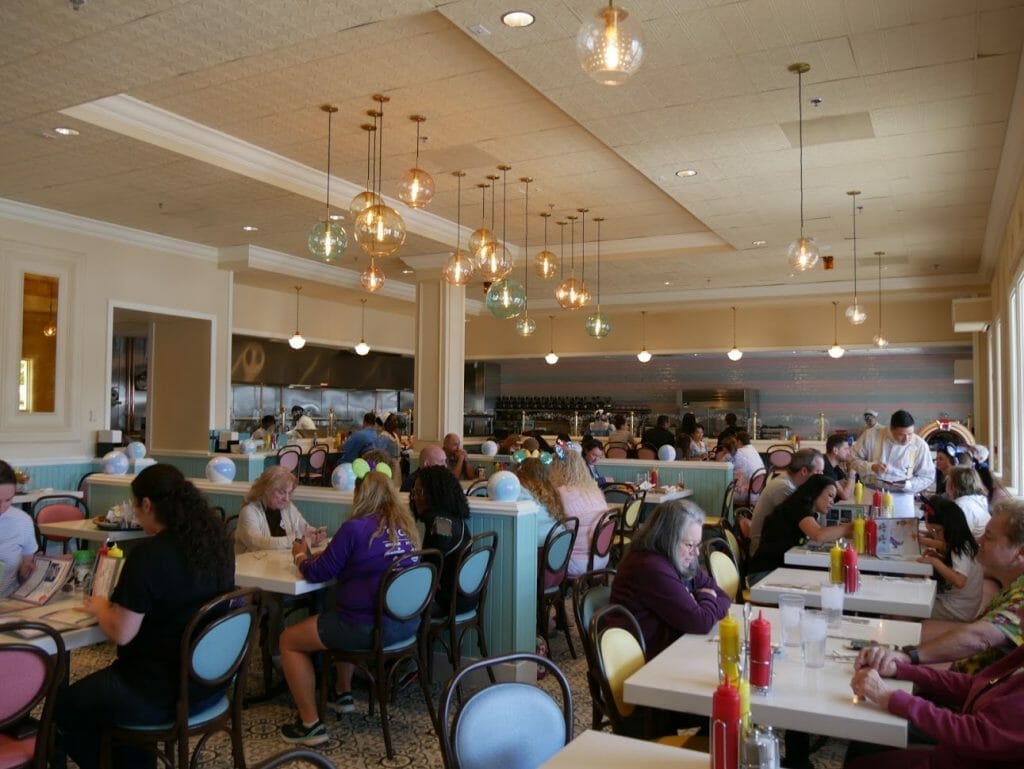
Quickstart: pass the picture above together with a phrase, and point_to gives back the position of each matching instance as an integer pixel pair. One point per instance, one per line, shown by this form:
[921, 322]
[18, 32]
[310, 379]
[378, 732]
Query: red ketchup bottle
[725, 727]
[851, 572]
[761, 653]
[871, 535]
[876, 502]
[654, 476]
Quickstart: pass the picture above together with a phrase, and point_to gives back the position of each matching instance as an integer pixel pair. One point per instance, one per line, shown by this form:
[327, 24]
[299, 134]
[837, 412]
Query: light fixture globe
[493, 262]
[734, 354]
[545, 264]
[598, 325]
[416, 188]
[362, 348]
[361, 202]
[568, 294]
[803, 254]
[610, 45]
[50, 329]
[327, 240]
[372, 278]
[296, 341]
[836, 351]
[379, 230]
[643, 356]
[506, 299]
[880, 341]
[525, 325]
[551, 359]
[479, 239]
[458, 270]
[856, 314]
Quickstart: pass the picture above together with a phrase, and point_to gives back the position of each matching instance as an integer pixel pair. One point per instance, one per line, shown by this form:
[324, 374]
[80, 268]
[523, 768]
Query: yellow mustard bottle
[858, 493]
[835, 563]
[887, 504]
[858, 535]
[115, 551]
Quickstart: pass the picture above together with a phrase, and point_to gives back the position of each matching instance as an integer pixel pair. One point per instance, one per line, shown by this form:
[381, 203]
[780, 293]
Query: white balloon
[220, 470]
[488, 448]
[667, 453]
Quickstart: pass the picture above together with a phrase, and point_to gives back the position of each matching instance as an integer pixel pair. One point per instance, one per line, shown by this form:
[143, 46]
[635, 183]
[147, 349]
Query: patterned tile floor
[356, 740]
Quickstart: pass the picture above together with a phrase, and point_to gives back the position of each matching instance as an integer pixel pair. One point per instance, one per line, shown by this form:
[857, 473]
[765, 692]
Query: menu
[49, 573]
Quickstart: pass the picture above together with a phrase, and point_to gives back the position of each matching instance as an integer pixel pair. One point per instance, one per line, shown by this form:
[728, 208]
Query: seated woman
[982, 731]
[725, 449]
[268, 520]
[18, 542]
[581, 498]
[184, 562]
[379, 530]
[951, 550]
[533, 478]
[441, 504]
[660, 580]
[795, 521]
[964, 486]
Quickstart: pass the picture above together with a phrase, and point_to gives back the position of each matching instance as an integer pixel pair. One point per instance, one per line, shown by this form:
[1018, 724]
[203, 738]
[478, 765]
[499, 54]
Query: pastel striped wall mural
[792, 389]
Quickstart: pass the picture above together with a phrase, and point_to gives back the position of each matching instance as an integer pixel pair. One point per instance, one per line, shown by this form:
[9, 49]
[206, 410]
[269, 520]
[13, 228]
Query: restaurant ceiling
[915, 102]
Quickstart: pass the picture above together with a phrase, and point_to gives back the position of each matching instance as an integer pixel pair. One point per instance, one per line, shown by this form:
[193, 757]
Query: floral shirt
[1005, 612]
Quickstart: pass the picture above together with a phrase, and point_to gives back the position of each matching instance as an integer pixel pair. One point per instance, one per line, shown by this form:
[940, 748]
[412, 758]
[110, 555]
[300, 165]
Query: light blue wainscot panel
[248, 467]
[707, 480]
[55, 474]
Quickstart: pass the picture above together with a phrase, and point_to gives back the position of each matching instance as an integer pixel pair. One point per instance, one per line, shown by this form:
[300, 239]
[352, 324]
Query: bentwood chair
[215, 652]
[755, 485]
[477, 488]
[779, 457]
[629, 521]
[552, 571]
[616, 450]
[316, 461]
[646, 451]
[406, 592]
[591, 591]
[725, 574]
[54, 508]
[289, 458]
[511, 725]
[30, 676]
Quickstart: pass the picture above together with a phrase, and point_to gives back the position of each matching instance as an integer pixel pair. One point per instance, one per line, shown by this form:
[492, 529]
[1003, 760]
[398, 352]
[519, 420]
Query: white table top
[31, 497]
[273, 571]
[73, 639]
[657, 497]
[603, 749]
[684, 676]
[878, 594]
[87, 530]
[819, 559]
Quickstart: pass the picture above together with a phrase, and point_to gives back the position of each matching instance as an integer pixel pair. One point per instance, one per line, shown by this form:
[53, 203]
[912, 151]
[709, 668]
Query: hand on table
[880, 658]
[95, 604]
[316, 536]
[878, 468]
[868, 684]
[298, 548]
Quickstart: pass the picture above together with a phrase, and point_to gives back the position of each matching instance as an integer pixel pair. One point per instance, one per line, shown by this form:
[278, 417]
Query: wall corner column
[440, 359]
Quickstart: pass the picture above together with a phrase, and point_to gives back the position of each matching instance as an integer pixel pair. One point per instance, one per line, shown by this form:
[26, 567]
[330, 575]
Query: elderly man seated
[430, 456]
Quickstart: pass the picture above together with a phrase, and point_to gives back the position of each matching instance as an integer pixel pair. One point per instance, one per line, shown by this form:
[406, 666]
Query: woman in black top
[795, 521]
[441, 504]
[184, 562]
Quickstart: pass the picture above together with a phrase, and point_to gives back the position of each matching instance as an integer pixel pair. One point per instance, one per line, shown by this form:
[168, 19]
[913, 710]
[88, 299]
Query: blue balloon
[136, 450]
[343, 478]
[488, 448]
[503, 486]
[220, 470]
[115, 463]
[545, 457]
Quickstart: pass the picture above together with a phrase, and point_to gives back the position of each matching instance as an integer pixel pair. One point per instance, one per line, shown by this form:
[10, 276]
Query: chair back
[231, 526]
[724, 572]
[590, 591]
[477, 488]
[730, 491]
[617, 493]
[30, 675]
[631, 512]
[45, 511]
[734, 546]
[646, 451]
[603, 537]
[616, 450]
[289, 457]
[757, 481]
[83, 485]
[317, 459]
[779, 456]
[555, 555]
[509, 725]
[620, 652]
[408, 586]
[217, 642]
[473, 571]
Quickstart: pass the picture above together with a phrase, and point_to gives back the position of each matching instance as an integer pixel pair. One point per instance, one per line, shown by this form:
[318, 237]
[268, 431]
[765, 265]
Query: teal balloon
[506, 299]
[545, 457]
[519, 455]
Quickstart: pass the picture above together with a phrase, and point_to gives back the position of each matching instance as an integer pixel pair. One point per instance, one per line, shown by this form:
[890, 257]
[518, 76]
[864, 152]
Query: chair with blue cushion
[510, 725]
[472, 577]
[215, 651]
[30, 675]
[406, 592]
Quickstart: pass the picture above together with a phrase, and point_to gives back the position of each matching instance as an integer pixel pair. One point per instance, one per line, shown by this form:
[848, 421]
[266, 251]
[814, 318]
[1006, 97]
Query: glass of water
[814, 631]
[832, 603]
[791, 611]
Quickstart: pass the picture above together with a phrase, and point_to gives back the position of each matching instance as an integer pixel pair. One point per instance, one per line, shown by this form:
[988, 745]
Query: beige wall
[179, 363]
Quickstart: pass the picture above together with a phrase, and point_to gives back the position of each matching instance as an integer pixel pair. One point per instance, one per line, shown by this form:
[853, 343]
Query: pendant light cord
[800, 107]
[583, 244]
[327, 216]
[855, 249]
[526, 240]
[598, 220]
[734, 328]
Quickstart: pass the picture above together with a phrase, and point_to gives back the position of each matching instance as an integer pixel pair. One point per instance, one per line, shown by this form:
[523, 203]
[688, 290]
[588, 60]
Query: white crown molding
[147, 123]
[80, 225]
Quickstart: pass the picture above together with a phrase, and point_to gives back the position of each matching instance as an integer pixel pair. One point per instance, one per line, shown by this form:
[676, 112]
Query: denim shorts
[336, 633]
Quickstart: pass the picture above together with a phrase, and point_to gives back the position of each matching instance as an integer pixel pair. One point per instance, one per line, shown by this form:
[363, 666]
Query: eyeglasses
[691, 546]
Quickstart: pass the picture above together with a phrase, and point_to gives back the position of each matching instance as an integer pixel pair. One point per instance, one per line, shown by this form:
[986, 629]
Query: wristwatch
[911, 651]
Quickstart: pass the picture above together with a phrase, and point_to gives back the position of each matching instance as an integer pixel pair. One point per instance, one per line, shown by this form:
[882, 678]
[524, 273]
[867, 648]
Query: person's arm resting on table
[117, 623]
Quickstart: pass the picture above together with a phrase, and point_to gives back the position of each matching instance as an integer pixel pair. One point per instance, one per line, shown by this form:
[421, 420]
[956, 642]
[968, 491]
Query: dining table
[878, 593]
[273, 571]
[684, 676]
[87, 529]
[819, 559]
[604, 750]
[64, 605]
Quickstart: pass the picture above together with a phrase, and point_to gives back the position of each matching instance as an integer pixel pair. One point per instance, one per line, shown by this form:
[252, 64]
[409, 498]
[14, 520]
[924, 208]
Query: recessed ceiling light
[408, 271]
[685, 173]
[759, 242]
[517, 19]
[64, 131]
[668, 282]
[250, 227]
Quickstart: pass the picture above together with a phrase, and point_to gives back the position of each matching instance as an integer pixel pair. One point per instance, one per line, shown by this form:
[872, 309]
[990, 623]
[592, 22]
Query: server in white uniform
[895, 460]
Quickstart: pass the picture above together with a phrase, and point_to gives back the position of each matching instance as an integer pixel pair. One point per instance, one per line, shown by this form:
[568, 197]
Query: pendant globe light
[561, 290]
[568, 291]
[458, 270]
[803, 252]
[735, 353]
[836, 351]
[327, 239]
[546, 263]
[362, 348]
[297, 341]
[525, 325]
[598, 325]
[372, 278]
[551, 358]
[416, 186]
[50, 329]
[643, 356]
[493, 260]
[483, 235]
[855, 313]
[880, 341]
[379, 229]
[506, 297]
[610, 45]
[366, 198]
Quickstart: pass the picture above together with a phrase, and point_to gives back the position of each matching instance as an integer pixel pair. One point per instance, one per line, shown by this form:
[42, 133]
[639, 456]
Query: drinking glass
[791, 610]
[832, 603]
[814, 630]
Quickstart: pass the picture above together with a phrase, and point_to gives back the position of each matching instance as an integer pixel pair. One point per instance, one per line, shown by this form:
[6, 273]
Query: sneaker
[298, 734]
[342, 703]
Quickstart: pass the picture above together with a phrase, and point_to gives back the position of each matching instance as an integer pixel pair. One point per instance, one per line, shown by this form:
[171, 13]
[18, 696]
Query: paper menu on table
[897, 537]
[48, 576]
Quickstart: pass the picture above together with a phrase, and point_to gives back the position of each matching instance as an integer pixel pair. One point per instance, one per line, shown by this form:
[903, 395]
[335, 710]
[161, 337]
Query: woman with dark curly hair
[184, 562]
[441, 504]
